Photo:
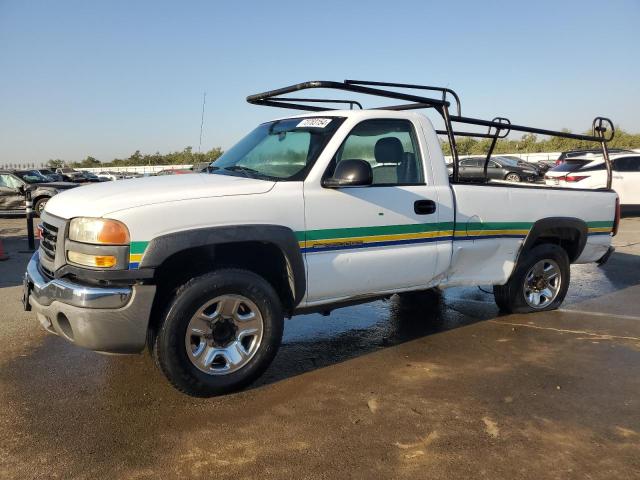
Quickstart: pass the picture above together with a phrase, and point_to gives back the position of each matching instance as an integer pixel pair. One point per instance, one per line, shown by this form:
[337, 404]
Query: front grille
[49, 240]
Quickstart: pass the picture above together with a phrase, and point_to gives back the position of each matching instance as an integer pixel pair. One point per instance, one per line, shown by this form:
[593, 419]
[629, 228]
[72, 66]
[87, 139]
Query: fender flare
[163, 247]
[551, 224]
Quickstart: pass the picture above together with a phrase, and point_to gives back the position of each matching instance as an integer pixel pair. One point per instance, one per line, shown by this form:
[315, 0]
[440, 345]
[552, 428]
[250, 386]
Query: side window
[472, 162]
[627, 164]
[9, 181]
[390, 146]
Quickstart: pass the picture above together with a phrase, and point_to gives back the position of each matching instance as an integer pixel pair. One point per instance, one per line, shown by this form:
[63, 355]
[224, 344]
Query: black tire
[39, 205]
[511, 296]
[170, 351]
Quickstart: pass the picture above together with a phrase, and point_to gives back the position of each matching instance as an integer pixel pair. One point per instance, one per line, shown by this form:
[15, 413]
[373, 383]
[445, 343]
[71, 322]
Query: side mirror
[21, 189]
[350, 173]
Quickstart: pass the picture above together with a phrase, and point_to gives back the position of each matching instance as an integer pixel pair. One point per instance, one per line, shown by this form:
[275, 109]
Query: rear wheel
[512, 177]
[220, 333]
[539, 282]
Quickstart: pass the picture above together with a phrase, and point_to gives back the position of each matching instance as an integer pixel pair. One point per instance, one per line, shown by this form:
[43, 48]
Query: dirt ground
[447, 389]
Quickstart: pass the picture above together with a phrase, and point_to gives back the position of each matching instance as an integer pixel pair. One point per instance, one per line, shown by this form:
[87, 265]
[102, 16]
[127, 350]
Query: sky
[104, 79]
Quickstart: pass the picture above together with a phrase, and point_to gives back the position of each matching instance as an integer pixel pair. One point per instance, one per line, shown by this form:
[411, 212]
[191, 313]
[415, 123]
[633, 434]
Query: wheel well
[264, 259]
[570, 239]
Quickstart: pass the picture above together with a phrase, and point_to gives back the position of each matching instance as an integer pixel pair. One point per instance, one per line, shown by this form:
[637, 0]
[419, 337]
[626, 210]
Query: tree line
[528, 143]
[531, 143]
[184, 157]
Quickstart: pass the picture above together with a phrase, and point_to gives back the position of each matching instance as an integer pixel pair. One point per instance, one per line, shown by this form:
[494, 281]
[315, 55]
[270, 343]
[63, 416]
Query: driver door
[375, 238]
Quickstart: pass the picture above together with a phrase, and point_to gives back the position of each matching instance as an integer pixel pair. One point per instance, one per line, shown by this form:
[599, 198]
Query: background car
[203, 167]
[592, 174]
[12, 190]
[107, 176]
[541, 166]
[174, 171]
[50, 174]
[112, 176]
[70, 175]
[91, 177]
[571, 154]
[500, 168]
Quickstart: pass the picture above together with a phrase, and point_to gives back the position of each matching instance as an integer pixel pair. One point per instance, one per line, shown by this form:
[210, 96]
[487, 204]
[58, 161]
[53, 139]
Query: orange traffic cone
[3, 255]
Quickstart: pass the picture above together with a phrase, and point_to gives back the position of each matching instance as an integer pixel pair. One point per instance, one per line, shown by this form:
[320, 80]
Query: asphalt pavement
[444, 389]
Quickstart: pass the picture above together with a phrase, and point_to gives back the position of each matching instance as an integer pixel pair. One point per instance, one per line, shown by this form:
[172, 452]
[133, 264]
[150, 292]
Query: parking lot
[448, 389]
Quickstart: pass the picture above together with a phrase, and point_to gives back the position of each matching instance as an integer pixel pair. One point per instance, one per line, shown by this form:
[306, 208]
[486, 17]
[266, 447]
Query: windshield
[32, 177]
[280, 150]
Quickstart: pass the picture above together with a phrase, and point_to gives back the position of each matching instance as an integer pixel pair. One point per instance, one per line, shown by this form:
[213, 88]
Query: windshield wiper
[246, 171]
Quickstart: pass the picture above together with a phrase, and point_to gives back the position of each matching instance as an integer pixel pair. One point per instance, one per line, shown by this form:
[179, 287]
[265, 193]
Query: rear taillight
[575, 178]
[616, 218]
[558, 162]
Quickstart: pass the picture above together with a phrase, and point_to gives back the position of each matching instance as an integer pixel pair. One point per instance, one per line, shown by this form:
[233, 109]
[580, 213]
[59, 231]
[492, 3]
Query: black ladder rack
[602, 130]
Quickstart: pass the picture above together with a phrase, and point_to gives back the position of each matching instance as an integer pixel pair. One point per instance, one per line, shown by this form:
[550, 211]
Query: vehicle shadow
[629, 211]
[313, 341]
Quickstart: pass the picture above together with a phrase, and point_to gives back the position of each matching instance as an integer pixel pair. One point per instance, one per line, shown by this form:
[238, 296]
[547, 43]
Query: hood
[57, 185]
[99, 199]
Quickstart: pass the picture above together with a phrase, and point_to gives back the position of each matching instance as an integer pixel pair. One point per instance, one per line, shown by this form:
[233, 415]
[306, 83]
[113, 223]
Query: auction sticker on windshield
[314, 122]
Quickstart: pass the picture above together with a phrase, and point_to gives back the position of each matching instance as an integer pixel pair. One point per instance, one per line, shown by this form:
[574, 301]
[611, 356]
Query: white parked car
[591, 173]
[306, 213]
[109, 176]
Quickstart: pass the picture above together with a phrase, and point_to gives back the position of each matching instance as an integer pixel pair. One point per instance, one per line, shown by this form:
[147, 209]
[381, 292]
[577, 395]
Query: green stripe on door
[330, 233]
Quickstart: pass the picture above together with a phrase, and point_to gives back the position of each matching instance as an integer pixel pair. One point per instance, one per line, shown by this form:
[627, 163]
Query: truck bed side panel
[492, 223]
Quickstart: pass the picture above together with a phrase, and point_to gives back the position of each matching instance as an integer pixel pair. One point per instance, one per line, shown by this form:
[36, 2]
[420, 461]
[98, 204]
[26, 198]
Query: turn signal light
[100, 261]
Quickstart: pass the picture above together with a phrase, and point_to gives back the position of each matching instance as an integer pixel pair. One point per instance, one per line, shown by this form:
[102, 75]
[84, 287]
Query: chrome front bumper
[47, 291]
[106, 319]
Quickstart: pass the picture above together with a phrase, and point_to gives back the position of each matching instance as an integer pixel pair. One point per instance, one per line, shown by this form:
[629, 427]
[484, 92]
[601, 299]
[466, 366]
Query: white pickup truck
[306, 213]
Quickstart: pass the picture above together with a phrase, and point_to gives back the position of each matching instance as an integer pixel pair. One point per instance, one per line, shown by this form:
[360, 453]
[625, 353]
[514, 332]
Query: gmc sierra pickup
[306, 213]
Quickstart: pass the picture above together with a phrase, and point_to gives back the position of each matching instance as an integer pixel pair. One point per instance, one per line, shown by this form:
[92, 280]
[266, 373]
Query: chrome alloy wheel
[512, 177]
[542, 283]
[224, 334]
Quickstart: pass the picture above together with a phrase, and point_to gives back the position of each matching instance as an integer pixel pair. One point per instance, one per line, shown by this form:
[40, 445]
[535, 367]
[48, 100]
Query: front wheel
[38, 207]
[220, 333]
[539, 282]
[512, 177]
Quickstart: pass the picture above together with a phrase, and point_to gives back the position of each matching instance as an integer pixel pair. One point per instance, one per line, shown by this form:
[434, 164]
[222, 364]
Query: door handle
[424, 207]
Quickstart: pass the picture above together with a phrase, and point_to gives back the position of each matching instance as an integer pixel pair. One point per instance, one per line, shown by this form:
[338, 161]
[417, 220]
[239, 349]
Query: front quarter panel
[282, 206]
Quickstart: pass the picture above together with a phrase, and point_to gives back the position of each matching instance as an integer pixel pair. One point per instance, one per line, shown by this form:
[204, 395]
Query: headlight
[99, 231]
